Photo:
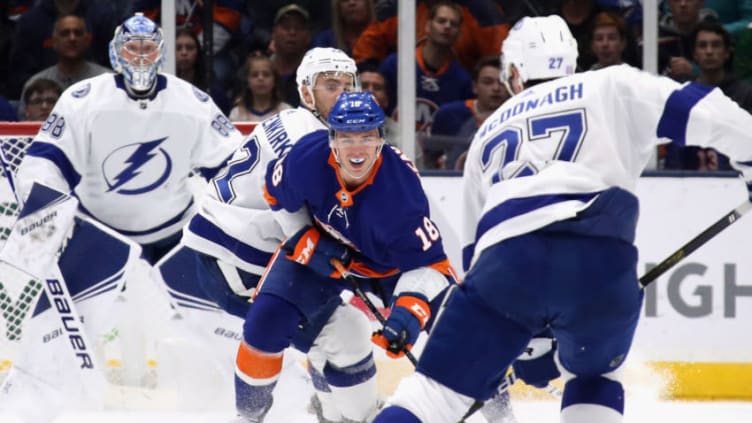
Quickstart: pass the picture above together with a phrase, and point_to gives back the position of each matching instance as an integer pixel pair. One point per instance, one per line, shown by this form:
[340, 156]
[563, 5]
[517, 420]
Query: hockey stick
[355, 285]
[695, 243]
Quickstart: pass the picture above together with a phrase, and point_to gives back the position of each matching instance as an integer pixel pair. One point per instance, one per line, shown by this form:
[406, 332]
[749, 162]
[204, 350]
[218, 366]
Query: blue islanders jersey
[386, 219]
[433, 89]
[547, 152]
[128, 160]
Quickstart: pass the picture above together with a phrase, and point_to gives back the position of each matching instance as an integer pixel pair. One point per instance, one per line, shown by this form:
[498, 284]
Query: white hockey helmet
[137, 51]
[323, 59]
[539, 47]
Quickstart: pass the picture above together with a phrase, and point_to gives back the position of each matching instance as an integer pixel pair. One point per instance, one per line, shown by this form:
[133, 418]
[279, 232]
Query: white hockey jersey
[234, 222]
[536, 158]
[128, 160]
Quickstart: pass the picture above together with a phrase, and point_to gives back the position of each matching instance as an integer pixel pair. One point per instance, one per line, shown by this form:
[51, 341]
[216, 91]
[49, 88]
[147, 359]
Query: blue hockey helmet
[356, 112]
[137, 51]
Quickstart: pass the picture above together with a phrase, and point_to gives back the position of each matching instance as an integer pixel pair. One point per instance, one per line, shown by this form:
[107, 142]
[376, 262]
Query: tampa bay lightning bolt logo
[137, 168]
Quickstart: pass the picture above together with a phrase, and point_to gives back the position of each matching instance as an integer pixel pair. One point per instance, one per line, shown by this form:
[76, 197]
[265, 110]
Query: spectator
[372, 80]
[31, 47]
[189, 66]
[580, 18]
[70, 40]
[291, 37]
[484, 27]
[227, 16]
[712, 52]
[735, 15]
[262, 13]
[39, 99]
[439, 77]
[674, 38]
[260, 91]
[455, 123]
[713, 48]
[609, 40]
[349, 19]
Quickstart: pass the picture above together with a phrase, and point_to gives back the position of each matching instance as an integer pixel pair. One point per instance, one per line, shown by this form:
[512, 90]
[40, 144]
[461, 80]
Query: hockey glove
[536, 367]
[311, 248]
[409, 316]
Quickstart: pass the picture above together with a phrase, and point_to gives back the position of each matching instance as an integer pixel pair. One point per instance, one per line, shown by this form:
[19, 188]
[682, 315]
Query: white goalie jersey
[234, 222]
[128, 160]
[535, 160]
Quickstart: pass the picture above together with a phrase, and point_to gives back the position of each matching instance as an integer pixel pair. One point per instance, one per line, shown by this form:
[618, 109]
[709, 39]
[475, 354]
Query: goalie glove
[311, 248]
[408, 317]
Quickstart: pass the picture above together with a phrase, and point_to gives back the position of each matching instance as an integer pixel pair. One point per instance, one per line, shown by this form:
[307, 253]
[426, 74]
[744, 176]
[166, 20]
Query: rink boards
[693, 339]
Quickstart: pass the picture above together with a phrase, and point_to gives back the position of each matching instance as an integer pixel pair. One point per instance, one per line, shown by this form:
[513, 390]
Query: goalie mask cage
[18, 293]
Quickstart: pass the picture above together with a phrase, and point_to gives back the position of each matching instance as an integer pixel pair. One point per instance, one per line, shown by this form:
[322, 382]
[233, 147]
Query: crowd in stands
[256, 46]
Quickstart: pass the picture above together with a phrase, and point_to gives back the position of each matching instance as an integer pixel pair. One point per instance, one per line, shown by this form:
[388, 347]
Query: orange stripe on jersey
[416, 307]
[269, 198]
[445, 268]
[363, 270]
[266, 271]
[347, 200]
[422, 64]
[258, 364]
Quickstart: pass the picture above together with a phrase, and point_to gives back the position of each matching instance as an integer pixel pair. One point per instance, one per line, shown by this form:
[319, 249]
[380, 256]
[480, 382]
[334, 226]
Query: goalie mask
[320, 60]
[539, 48]
[137, 52]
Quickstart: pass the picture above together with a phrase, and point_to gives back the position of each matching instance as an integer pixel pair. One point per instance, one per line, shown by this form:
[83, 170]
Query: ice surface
[294, 391]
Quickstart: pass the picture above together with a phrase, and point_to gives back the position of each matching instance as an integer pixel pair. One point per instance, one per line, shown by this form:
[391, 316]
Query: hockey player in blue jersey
[333, 190]
[234, 234]
[550, 218]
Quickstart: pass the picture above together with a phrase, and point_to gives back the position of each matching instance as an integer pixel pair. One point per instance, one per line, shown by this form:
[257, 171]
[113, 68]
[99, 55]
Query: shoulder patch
[83, 91]
[202, 96]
